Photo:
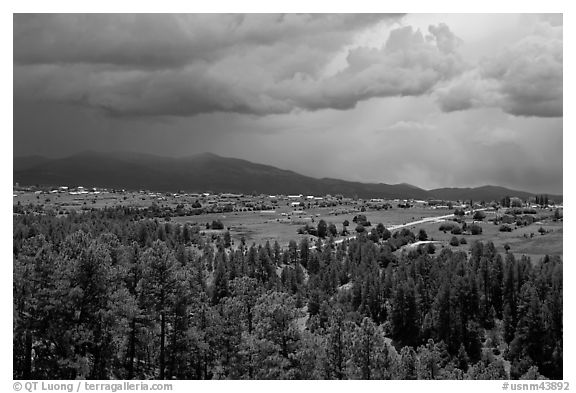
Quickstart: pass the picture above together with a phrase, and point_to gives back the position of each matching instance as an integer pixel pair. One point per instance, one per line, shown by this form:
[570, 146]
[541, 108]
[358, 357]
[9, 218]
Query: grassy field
[534, 247]
[76, 202]
[282, 226]
[260, 227]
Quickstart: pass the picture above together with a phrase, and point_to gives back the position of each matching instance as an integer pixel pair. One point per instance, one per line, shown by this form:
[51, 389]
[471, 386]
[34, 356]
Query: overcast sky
[428, 99]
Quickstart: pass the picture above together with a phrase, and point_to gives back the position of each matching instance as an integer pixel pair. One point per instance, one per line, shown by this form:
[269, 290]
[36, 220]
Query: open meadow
[259, 227]
[520, 240]
[282, 223]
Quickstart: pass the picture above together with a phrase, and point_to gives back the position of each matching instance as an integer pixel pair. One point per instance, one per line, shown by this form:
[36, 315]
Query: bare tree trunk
[132, 350]
[162, 334]
[172, 362]
[27, 371]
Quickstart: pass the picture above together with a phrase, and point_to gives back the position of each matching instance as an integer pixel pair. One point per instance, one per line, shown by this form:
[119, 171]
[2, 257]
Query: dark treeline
[105, 295]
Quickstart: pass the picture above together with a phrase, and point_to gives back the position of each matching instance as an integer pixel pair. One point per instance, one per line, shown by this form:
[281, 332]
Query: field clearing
[282, 223]
[260, 227]
[77, 202]
[550, 243]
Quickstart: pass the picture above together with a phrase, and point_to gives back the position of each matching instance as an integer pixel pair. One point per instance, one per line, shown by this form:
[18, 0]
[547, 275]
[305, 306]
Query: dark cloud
[407, 65]
[169, 40]
[281, 71]
[184, 65]
[524, 80]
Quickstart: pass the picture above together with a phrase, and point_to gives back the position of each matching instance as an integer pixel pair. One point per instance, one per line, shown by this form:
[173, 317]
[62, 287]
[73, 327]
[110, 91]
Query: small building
[230, 196]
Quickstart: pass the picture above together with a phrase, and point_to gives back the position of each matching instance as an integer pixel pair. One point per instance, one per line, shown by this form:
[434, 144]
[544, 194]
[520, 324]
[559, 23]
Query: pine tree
[159, 288]
[220, 283]
[406, 367]
[365, 358]
[33, 288]
[304, 252]
[404, 314]
[530, 332]
[336, 346]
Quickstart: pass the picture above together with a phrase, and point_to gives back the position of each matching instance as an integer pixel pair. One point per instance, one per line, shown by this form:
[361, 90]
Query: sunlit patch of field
[522, 241]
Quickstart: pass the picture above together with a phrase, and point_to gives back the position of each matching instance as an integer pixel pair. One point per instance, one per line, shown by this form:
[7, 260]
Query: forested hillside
[107, 294]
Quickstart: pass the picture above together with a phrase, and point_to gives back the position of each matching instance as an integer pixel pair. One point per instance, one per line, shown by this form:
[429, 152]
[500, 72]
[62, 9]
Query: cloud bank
[185, 65]
[523, 80]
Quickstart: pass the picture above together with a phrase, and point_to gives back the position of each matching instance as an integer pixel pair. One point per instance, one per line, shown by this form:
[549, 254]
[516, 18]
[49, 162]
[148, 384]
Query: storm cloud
[523, 80]
[428, 99]
[185, 65]
[171, 40]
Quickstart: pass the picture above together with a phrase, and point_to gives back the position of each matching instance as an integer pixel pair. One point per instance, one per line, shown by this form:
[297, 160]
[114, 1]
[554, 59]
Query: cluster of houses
[292, 204]
[79, 190]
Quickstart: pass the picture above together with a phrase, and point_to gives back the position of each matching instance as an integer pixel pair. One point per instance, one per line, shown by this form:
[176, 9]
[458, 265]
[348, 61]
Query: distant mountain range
[210, 172]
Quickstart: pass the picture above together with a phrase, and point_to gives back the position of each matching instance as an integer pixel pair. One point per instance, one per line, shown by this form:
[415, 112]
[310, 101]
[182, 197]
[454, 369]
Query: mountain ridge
[208, 171]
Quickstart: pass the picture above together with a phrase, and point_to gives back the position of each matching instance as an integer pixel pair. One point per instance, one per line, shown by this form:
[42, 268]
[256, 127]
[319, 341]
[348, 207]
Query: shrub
[447, 226]
[407, 233]
[459, 213]
[332, 230]
[528, 219]
[505, 228]
[557, 214]
[422, 235]
[508, 219]
[475, 229]
[454, 241]
[456, 230]
[360, 218]
[518, 211]
[463, 240]
[322, 229]
[383, 232]
[479, 215]
[373, 236]
[217, 224]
